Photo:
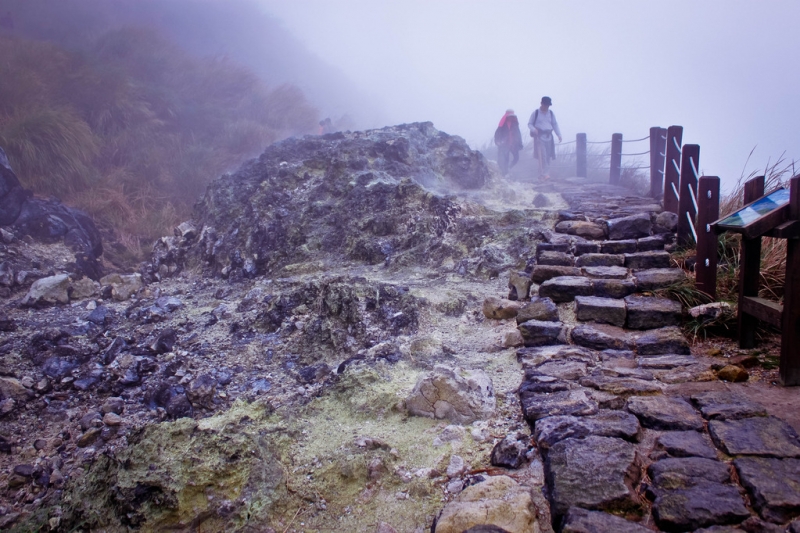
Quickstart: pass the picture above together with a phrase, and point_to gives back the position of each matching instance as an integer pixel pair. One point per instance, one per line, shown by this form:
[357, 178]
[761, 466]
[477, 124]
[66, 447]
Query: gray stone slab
[569, 402]
[542, 273]
[534, 383]
[621, 386]
[667, 362]
[566, 288]
[618, 247]
[602, 337]
[606, 423]
[726, 405]
[625, 370]
[600, 260]
[649, 244]
[649, 313]
[540, 333]
[596, 472]
[645, 260]
[606, 400]
[580, 520]
[538, 355]
[613, 288]
[562, 369]
[605, 272]
[617, 355]
[665, 413]
[686, 444]
[669, 340]
[773, 485]
[681, 473]
[603, 310]
[658, 278]
[586, 248]
[701, 505]
[630, 227]
[543, 309]
[551, 247]
[685, 374]
[555, 259]
[587, 230]
[764, 436]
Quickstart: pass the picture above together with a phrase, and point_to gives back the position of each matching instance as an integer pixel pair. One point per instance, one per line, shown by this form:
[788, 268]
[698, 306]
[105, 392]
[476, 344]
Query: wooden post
[580, 151]
[707, 241]
[790, 324]
[658, 144]
[749, 269]
[616, 158]
[690, 161]
[671, 168]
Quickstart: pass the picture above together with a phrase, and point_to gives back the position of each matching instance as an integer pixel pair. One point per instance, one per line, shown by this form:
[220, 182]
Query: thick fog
[726, 70]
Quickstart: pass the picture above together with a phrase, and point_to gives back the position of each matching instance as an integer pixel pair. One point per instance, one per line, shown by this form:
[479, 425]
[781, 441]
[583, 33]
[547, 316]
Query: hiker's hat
[546, 100]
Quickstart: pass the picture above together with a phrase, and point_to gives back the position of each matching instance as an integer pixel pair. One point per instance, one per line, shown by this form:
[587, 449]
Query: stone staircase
[623, 449]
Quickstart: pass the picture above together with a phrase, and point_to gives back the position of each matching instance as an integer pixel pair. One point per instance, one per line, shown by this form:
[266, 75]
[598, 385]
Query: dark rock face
[694, 492]
[765, 436]
[49, 221]
[580, 520]
[661, 412]
[359, 196]
[723, 405]
[773, 485]
[597, 473]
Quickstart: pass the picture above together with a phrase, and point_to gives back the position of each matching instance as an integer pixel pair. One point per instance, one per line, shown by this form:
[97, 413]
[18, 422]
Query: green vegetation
[132, 128]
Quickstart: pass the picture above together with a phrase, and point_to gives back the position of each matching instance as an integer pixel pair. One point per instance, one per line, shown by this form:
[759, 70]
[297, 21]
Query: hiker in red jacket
[508, 139]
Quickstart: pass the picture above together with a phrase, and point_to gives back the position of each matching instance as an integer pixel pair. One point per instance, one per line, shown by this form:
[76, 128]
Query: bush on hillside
[134, 129]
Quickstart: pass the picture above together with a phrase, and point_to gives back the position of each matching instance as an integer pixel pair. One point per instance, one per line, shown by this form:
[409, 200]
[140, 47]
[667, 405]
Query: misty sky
[726, 70]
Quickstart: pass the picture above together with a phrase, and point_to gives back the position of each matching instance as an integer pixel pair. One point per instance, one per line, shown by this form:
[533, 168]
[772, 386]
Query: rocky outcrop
[49, 221]
[372, 197]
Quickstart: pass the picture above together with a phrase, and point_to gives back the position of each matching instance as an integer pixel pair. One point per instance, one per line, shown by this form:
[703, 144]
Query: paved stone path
[622, 453]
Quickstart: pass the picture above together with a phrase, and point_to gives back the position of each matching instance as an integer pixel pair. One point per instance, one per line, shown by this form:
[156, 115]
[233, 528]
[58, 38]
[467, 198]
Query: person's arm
[531, 126]
[555, 126]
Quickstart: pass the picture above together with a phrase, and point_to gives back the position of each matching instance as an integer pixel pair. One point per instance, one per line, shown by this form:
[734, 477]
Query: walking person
[508, 139]
[542, 125]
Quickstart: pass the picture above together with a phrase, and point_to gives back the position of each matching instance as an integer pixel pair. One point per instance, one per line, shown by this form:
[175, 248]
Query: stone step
[645, 260]
[587, 230]
[541, 333]
[649, 313]
[566, 288]
[555, 259]
[657, 278]
[600, 260]
[628, 246]
[605, 272]
[630, 227]
[602, 310]
[542, 273]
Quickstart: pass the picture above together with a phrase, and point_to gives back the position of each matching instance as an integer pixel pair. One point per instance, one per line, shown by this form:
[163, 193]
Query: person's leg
[502, 159]
[515, 158]
[541, 154]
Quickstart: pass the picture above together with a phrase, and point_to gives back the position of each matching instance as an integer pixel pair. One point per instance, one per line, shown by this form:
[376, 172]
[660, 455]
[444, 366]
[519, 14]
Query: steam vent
[376, 332]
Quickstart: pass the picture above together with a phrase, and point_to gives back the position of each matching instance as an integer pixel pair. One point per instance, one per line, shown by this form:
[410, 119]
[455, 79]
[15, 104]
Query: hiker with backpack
[508, 139]
[541, 125]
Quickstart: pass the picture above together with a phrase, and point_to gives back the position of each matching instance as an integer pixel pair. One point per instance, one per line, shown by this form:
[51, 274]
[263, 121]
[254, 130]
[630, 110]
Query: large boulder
[499, 501]
[461, 396]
